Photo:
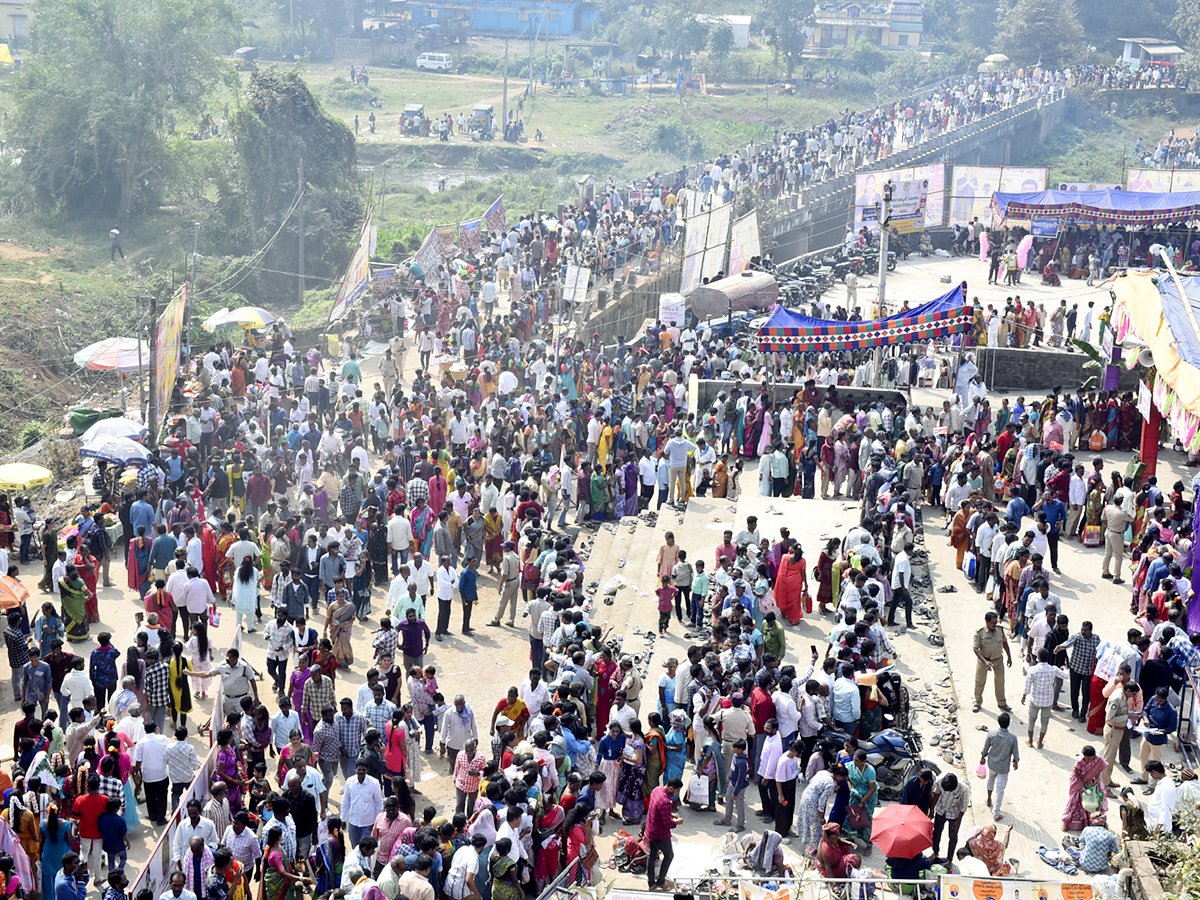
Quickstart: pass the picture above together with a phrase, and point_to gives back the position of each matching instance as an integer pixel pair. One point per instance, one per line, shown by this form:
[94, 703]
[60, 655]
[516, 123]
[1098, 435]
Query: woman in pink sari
[1085, 777]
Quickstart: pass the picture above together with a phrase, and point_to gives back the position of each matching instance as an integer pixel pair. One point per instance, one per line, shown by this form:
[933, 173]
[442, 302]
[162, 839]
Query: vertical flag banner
[166, 350]
[358, 274]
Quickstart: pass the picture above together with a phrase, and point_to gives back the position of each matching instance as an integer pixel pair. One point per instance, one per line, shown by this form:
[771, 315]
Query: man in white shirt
[1160, 810]
[197, 597]
[362, 802]
[150, 766]
[447, 584]
[464, 868]
[1076, 497]
[533, 692]
[399, 532]
[901, 581]
[422, 576]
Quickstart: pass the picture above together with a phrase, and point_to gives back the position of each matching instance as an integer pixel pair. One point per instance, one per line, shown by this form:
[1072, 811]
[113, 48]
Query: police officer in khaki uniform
[990, 648]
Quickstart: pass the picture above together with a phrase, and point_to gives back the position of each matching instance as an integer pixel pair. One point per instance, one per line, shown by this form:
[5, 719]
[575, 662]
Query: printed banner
[694, 238]
[743, 243]
[166, 352]
[907, 213]
[358, 274]
[576, 283]
[868, 186]
[959, 887]
[1087, 186]
[495, 217]
[715, 243]
[1159, 181]
[971, 188]
[1044, 226]
[470, 235]
[671, 309]
[447, 238]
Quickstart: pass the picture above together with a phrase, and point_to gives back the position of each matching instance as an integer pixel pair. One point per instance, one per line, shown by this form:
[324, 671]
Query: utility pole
[532, 41]
[884, 215]
[504, 108]
[300, 252]
[292, 25]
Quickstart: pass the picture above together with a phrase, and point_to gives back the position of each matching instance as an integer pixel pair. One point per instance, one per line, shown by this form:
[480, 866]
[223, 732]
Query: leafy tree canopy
[104, 79]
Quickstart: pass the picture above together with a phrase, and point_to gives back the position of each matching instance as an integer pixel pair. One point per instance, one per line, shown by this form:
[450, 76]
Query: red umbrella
[902, 831]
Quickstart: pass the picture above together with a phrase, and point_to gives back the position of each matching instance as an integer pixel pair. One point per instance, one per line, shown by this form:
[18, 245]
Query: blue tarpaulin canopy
[1107, 207]
[787, 331]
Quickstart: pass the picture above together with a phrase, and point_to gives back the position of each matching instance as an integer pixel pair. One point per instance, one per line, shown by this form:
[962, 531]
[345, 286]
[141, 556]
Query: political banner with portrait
[971, 188]
[961, 887]
[868, 188]
[1160, 181]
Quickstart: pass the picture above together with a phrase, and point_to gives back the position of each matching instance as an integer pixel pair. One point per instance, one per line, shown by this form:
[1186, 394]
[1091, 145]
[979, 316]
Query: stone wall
[1040, 370]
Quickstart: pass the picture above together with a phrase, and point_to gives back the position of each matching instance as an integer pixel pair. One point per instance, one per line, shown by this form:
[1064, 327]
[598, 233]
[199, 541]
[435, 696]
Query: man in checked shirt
[1040, 683]
[351, 727]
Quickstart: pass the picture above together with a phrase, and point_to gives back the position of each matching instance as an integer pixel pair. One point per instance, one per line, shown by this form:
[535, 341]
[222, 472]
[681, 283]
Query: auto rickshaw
[414, 121]
[245, 58]
[482, 122]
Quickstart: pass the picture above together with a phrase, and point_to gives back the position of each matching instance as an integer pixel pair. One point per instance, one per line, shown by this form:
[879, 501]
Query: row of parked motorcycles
[805, 283]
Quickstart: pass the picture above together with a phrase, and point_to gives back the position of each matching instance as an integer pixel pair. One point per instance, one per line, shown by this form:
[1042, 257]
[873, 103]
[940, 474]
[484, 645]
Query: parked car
[435, 62]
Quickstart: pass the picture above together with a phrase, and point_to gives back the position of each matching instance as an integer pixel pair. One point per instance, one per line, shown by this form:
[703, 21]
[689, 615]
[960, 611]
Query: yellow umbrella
[22, 476]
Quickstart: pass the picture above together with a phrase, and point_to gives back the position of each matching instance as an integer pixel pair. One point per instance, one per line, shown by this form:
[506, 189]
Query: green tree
[280, 125]
[977, 23]
[1045, 31]
[1186, 24]
[95, 97]
[785, 25]
[720, 42]
[863, 56]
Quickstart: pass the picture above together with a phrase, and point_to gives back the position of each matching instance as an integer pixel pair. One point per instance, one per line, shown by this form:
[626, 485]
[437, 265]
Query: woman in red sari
[208, 548]
[606, 689]
[225, 567]
[791, 586]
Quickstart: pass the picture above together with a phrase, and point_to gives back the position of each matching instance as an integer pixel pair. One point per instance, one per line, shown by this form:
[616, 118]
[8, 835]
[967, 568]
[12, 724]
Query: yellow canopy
[6, 58]
[21, 476]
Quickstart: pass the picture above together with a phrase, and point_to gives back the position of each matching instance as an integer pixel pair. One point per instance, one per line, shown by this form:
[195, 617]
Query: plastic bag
[613, 585]
[981, 772]
[214, 617]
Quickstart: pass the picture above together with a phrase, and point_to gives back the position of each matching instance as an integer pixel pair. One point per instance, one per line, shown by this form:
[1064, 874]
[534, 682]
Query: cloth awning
[787, 331]
[1156, 314]
[1107, 207]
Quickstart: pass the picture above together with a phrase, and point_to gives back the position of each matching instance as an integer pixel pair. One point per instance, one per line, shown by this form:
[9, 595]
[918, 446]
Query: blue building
[514, 17]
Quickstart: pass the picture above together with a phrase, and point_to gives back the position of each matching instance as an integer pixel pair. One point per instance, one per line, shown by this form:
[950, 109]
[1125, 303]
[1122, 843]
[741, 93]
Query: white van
[435, 62]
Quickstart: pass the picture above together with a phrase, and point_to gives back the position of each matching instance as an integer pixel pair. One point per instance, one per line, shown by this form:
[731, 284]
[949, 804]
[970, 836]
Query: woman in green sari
[504, 872]
[279, 882]
[73, 591]
[711, 764]
[864, 792]
[599, 492]
[329, 857]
